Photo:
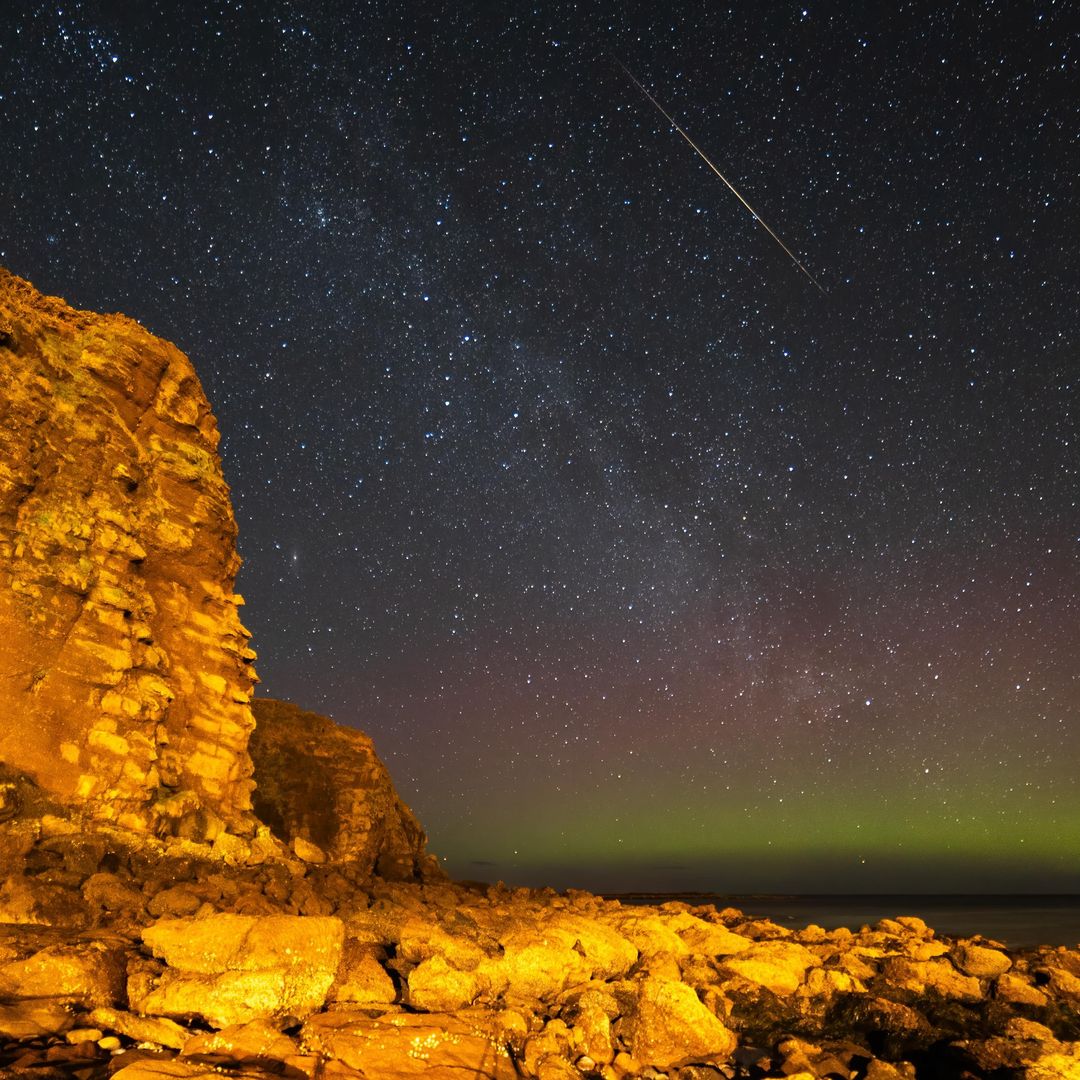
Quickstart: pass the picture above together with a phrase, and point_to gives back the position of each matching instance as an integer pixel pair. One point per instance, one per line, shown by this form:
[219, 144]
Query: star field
[644, 564]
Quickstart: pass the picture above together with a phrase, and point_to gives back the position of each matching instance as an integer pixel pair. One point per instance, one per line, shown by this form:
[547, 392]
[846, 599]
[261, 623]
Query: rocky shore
[137, 958]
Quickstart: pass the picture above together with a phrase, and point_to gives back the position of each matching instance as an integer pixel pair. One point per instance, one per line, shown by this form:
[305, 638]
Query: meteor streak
[701, 153]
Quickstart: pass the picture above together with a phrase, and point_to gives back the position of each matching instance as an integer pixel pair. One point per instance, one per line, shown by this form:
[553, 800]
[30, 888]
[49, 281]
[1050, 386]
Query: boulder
[938, 976]
[33, 1018]
[86, 973]
[978, 960]
[232, 969]
[121, 648]
[258, 1044]
[668, 1026]
[401, 1045]
[779, 966]
[1062, 1063]
[143, 1029]
[361, 978]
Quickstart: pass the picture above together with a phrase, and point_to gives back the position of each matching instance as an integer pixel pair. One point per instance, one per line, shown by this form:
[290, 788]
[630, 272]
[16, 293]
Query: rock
[159, 1069]
[1062, 982]
[779, 966]
[401, 1045]
[532, 953]
[121, 650]
[936, 975]
[1018, 990]
[257, 1044]
[32, 1018]
[82, 1035]
[322, 789]
[913, 924]
[231, 969]
[708, 939]
[590, 1014]
[107, 896]
[143, 1029]
[1019, 1027]
[361, 979]
[667, 1026]
[1056, 1064]
[547, 1052]
[86, 974]
[884, 1070]
[308, 852]
[979, 961]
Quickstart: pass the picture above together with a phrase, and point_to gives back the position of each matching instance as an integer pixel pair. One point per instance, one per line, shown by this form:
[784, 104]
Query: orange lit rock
[779, 966]
[321, 788]
[980, 961]
[232, 969]
[936, 975]
[82, 973]
[402, 1045]
[667, 1025]
[121, 651]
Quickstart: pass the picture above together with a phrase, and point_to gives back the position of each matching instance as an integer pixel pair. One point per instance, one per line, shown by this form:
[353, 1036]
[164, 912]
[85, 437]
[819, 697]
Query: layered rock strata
[322, 789]
[125, 674]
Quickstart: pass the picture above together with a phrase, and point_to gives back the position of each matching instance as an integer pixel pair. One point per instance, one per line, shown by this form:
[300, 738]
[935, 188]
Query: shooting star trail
[701, 154]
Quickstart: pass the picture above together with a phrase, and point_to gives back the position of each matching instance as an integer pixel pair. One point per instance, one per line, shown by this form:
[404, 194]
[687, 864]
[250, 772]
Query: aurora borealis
[644, 564]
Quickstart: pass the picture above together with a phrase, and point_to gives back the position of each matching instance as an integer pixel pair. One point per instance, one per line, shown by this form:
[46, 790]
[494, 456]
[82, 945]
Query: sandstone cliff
[124, 668]
[321, 788]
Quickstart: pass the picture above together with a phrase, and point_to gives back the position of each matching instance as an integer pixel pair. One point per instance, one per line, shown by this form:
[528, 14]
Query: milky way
[644, 564]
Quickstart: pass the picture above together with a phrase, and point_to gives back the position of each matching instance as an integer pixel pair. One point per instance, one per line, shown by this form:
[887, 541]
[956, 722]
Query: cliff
[125, 674]
[132, 949]
[321, 788]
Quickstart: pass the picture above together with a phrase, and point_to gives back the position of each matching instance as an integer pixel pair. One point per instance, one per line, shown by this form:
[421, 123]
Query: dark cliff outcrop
[124, 669]
[321, 788]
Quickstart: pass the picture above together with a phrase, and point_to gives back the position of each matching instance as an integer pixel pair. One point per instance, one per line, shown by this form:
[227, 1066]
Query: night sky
[645, 564]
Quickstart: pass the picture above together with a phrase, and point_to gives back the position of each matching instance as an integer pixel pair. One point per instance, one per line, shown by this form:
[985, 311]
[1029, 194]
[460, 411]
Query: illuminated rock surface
[121, 650]
[152, 927]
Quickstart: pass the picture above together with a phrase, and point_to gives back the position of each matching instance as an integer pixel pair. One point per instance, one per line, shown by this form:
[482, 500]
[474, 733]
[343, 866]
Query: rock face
[121, 650]
[321, 788]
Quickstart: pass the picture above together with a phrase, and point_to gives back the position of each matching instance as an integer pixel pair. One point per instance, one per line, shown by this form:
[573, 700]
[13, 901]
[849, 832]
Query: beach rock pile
[181, 965]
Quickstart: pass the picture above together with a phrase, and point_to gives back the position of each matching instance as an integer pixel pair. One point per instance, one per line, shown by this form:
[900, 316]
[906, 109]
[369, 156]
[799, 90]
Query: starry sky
[645, 564]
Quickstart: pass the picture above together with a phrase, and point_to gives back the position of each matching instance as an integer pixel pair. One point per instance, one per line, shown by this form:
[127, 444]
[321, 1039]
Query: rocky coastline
[197, 883]
[137, 958]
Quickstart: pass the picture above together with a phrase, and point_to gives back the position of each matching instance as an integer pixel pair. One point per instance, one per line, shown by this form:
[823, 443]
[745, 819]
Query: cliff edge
[124, 668]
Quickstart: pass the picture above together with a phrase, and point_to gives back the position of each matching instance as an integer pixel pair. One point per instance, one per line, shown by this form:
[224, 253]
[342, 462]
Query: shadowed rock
[321, 788]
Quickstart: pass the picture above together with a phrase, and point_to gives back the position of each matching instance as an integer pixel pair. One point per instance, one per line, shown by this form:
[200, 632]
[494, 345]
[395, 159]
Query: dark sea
[1020, 922]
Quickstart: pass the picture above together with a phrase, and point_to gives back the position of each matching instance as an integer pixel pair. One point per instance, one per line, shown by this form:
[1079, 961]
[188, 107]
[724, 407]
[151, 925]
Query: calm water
[1018, 921]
